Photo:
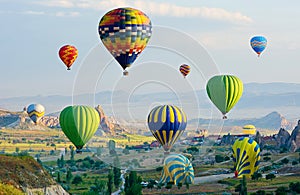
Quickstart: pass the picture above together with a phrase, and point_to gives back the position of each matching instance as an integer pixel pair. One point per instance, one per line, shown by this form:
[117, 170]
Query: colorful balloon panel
[224, 91]
[167, 123]
[258, 44]
[68, 55]
[35, 112]
[125, 33]
[79, 124]
[246, 156]
[185, 69]
[178, 169]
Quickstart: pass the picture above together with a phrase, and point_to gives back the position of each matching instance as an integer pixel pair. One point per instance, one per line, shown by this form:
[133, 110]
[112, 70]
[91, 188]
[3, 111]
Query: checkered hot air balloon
[68, 55]
[185, 69]
[167, 123]
[177, 169]
[35, 112]
[258, 44]
[125, 33]
[246, 156]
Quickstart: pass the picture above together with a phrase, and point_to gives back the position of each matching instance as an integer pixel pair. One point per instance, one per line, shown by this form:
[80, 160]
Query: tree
[281, 190]
[295, 187]
[77, 180]
[256, 175]
[260, 192]
[58, 177]
[285, 161]
[72, 153]
[39, 161]
[219, 158]
[110, 182]
[69, 176]
[266, 158]
[270, 176]
[17, 149]
[242, 187]
[133, 184]
[117, 172]
[62, 161]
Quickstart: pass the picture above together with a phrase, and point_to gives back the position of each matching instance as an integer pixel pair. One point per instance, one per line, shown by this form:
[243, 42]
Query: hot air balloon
[125, 33]
[177, 169]
[167, 123]
[184, 69]
[246, 156]
[224, 91]
[79, 124]
[258, 44]
[68, 55]
[249, 130]
[35, 112]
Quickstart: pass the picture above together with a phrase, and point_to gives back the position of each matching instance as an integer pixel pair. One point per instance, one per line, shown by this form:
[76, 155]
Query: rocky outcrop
[294, 141]
[282, 138]
[50, 121]
[26, 174]
[106, 124]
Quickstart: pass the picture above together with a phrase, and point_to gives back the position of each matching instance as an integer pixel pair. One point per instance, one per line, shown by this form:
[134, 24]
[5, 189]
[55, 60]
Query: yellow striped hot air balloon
[246, 156]
[167, 123]
[177, 169]
[35, 112]
[184, 69]
[249, 130]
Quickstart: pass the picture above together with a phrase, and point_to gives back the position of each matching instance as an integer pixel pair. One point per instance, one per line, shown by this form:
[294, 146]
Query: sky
[32, 31]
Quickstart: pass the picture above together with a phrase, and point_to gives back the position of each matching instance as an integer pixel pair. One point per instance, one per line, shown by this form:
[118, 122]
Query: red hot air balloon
[68, 55]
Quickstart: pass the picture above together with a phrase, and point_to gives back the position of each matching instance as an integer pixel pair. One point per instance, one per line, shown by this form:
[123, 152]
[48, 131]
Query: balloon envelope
[68, 55]
[125, 33]
[224, 91]
[167, 123]
[246, 156]
[249, 129]
[178, 169]
[258, 44]
[35, 112]
[79, 124]
[185, 69]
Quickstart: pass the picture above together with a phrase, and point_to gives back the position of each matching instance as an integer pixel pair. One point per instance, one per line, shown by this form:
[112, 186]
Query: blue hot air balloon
[167, 123]
[258, 44]
[177, 169]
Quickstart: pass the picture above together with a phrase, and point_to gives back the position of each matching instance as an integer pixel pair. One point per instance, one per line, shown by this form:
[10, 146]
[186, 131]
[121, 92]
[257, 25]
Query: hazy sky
[32, 31]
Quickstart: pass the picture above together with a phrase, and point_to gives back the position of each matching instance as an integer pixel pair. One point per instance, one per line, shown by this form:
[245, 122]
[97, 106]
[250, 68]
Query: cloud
[33, 12]
[57, 3]
[67, 14]
[155, 8]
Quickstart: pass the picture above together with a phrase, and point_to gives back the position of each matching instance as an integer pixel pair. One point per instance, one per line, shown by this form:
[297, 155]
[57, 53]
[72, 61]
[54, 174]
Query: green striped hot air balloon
[167, 123]
[79, 123]
[177, 169]
[224, 91]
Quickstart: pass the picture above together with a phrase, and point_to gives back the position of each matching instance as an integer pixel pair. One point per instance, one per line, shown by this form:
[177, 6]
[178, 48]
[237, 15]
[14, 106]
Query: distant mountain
[272, 121]
[258, 99]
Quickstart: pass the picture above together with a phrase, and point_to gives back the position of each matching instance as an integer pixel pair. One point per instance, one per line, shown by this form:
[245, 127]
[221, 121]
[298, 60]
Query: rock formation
[282, 138]
[294, 141]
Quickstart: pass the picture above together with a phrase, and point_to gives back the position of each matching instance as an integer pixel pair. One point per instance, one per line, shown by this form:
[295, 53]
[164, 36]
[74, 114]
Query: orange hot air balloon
[68, 55]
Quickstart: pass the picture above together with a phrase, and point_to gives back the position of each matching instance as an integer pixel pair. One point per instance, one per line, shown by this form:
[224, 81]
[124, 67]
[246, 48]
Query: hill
[25, 174]
[272, 121]
[257, 100]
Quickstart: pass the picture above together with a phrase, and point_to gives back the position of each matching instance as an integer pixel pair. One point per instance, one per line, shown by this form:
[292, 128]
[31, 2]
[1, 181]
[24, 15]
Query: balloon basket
[78, 151]
[125, 73]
